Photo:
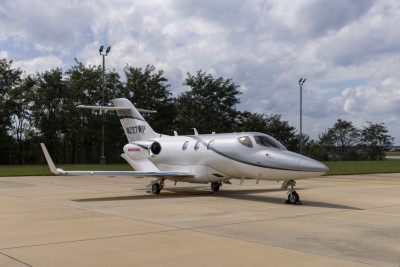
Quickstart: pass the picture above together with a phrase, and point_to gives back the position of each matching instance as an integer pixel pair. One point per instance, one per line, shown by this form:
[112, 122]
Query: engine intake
[155, 148]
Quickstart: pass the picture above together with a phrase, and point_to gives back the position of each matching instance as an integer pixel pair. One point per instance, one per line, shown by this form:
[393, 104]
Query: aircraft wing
[131, 173]
[137, 174]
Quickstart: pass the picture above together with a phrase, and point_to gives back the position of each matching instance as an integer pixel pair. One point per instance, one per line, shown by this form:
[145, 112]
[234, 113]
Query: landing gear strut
[215, 186]
[293, 197]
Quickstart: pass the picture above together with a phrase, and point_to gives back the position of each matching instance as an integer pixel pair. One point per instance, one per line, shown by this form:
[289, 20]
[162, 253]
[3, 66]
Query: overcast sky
[347, 50]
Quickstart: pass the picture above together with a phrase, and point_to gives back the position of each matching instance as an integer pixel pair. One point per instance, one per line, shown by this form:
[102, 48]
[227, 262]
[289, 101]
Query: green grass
[38, 170]
[393, 154]
[362, 167]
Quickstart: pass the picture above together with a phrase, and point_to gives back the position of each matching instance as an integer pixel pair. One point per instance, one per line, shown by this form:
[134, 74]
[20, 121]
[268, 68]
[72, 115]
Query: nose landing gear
[293, 197]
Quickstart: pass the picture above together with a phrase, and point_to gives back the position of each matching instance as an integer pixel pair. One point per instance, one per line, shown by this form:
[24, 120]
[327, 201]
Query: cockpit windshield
[266, 141]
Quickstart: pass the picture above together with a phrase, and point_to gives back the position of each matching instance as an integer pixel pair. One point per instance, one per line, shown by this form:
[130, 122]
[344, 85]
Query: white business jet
[202, 158]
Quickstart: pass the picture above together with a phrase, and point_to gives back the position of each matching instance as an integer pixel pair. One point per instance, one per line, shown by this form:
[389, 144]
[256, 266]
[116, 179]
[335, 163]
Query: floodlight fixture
[101, 49]
[108, 50]
[302, 81]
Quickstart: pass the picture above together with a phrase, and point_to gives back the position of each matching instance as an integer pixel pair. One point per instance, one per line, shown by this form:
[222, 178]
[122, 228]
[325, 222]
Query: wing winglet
[50, 162]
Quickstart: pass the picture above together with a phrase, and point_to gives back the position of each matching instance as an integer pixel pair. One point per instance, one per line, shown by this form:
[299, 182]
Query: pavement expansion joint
[91, 239]
[15, 259]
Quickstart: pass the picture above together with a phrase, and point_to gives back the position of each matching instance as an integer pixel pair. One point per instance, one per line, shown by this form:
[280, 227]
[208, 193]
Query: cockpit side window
[246, 141]
[197, 146]
[265, 141]
[185, 145]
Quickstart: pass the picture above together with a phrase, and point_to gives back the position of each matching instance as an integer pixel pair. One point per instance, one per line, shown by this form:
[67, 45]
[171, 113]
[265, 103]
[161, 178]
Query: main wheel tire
[155, 189]
[215, 187]
[293, 198]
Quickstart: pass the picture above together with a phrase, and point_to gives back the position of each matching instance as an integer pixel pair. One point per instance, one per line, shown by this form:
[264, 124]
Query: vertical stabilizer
[135, 126]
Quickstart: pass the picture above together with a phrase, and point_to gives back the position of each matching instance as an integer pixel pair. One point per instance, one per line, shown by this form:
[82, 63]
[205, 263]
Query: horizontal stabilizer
[115, 108]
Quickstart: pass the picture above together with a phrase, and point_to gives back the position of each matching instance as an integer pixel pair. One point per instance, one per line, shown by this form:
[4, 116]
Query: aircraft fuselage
[220, 157]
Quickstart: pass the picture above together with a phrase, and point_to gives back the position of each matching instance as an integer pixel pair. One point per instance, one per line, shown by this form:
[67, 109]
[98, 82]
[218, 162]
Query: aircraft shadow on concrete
[246, 194]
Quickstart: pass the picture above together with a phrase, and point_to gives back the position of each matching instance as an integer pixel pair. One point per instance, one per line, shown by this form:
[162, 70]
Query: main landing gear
[157, 186]
[293, 197]
[215, 186]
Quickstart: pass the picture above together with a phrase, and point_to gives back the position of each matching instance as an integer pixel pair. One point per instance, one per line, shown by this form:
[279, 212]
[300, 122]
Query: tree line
[344, 141]
[42, 108]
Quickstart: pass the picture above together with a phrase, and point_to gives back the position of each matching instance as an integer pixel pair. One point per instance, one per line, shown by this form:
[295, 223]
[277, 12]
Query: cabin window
[185, 145]
[210, 144]
[265, 141]
[246, 141]
[197, 146]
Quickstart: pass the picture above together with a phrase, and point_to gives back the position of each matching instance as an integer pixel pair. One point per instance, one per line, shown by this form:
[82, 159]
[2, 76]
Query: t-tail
[135, 126]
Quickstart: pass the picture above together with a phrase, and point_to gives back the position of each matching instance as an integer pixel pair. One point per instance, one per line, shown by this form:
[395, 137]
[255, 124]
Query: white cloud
[265, 46]
[39, 64]
[365, 39]
[4, 54]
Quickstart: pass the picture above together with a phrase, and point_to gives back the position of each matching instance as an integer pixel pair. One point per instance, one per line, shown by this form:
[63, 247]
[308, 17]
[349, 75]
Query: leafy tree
[315, 150]
[209, 105]
[47, 109]
[83, 127]
[114, 136]
[10, 78]
[342, 136]
[375, 140]
[326, 141]
[148, 89]
[19, 105]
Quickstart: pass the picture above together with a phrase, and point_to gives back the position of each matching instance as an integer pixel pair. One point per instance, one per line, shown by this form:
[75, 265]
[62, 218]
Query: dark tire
[293, 198]
[155, 189]
[215, 186]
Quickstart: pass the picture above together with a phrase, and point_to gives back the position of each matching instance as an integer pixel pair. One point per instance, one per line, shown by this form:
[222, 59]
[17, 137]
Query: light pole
[102, 157]
[301, 82]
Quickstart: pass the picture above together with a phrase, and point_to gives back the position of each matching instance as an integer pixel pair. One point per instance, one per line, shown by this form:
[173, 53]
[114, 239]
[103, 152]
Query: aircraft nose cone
[312, 165]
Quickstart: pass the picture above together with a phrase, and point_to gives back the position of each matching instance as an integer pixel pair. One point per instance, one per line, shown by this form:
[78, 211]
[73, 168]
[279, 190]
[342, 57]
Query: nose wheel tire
[156, 188]
[215, 186]
[293, 198]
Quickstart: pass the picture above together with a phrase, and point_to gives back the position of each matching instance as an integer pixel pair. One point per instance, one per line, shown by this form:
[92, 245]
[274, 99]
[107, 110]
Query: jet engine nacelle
[140, 150]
